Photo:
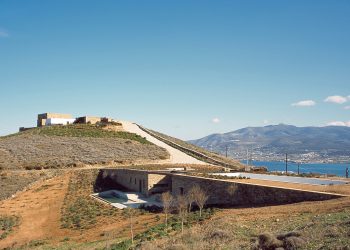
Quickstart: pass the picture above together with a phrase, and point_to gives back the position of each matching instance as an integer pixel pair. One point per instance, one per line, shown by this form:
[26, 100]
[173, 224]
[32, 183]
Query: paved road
[176, 156]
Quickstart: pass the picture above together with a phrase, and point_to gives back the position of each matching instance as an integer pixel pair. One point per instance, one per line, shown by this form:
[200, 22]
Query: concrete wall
[88, 119]
[139, 181]
[151, 182]
[43, 117]
[58, 121]
[245, 194]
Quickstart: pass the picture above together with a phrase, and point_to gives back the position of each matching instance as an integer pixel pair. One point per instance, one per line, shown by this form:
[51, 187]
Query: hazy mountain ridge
[330, 143]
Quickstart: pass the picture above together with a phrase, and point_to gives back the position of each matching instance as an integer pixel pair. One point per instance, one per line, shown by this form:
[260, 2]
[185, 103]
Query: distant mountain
[315, 144]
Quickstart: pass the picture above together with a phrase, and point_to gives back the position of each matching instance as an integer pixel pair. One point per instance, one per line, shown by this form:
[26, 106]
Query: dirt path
[39, 212]
[176, 156]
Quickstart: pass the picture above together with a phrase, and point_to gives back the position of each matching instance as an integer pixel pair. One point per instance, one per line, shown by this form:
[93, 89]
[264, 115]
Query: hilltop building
[49, 119]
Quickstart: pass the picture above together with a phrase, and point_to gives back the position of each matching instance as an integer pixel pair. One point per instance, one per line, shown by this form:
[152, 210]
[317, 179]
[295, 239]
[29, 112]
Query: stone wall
[245, 194]
[151, 182]
[139, 181]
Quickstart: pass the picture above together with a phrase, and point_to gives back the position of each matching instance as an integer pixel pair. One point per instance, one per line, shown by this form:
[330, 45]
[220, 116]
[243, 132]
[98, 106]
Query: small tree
[231, 190]
[130, 212]
[201, 198]
[182, 210]
[167, 200]
[191, 197]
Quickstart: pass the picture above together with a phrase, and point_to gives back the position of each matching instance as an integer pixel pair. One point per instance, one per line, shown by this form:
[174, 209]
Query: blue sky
[186, 68]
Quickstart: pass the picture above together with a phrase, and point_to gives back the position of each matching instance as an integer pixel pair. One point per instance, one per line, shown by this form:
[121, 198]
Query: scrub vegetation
[86, 130]
[75, 146]
[306, 231]
[12, 182]
[6, 225]
[80, 211]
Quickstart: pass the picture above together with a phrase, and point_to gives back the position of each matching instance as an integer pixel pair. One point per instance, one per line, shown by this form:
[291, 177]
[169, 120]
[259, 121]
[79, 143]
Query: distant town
[310, 157]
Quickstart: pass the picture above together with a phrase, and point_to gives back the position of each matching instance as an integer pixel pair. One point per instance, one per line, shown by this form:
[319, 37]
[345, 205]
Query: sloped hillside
[75, 145]
[207, 155]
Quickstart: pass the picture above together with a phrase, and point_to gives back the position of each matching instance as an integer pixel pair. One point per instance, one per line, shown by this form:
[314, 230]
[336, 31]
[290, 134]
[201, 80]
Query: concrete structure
[155, 182]
[58, 121]
[88, 120]
[54, 119]
[145, 182]
[123, 200]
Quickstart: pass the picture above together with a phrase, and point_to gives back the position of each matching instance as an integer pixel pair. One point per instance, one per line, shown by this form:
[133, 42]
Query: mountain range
[309, 144]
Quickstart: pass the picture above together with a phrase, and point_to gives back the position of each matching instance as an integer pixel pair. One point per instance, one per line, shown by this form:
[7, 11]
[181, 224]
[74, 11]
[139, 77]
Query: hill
[199, 152]
[75, 145]
[330, 143]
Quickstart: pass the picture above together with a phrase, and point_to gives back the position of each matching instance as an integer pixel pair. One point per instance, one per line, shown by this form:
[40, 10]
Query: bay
[321, 168]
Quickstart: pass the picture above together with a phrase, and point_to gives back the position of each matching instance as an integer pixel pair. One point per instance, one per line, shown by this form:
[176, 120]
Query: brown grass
[12, 182]
[38, 151]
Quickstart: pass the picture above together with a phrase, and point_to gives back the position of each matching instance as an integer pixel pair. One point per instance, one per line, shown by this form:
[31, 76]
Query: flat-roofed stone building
[88, 119]
[145, 182]
[47, 119]
[156, 182]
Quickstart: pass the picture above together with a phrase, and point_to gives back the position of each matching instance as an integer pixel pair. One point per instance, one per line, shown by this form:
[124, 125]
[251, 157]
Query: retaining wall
[245, 194]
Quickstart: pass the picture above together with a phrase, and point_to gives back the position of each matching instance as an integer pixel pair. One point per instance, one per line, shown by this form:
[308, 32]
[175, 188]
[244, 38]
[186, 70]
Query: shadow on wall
[244, 194]
[104, 182]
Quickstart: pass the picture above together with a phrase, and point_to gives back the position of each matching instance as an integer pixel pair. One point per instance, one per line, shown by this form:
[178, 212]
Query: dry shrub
[147, 245]
[192, 236]
[289, 234]
[218, 234]
[287, 241]
[293, 243]
[177, 246]
[267, 241]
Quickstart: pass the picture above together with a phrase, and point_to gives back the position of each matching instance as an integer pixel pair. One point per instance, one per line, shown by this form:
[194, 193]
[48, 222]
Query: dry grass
[40, 151]
[6, 225]
[232, 230]
[79, 210]
[12, 182]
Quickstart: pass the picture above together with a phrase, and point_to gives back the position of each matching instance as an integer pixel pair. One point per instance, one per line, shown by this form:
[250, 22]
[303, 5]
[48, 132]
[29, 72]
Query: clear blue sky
[186, 68]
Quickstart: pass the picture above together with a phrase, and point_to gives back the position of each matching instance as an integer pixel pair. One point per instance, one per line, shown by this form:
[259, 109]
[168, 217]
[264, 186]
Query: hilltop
[304, 143]
[74, 146]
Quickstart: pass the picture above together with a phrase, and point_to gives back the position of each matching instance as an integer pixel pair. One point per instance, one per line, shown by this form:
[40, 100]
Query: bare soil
[40, 210]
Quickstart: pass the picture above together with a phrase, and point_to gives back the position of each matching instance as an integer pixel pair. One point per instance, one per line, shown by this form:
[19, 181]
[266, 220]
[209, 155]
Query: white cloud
[216, 120]
[336, 99]
[265, 121]
[339, 123]
[347, 107]
[305, 103]
[3, 33]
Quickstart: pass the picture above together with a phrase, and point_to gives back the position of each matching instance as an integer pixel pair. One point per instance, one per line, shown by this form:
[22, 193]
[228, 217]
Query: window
[181, 190]
[135, 181]
[130, 180]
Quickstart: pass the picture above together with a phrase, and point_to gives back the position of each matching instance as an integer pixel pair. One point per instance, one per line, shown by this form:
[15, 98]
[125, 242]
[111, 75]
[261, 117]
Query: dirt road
[176, 156]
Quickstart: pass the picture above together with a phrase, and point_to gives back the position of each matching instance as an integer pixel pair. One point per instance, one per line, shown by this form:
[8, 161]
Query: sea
[321, 168]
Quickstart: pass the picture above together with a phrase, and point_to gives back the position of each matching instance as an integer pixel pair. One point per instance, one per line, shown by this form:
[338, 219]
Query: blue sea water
[322, 168]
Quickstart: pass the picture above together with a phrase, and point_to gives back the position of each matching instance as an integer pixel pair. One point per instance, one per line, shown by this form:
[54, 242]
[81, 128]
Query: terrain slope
[74, 146]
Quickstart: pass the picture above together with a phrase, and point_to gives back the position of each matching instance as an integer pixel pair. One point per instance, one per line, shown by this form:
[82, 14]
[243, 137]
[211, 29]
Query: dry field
[28, 151]
[12, 182]
[318, 225]
[59, 211]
